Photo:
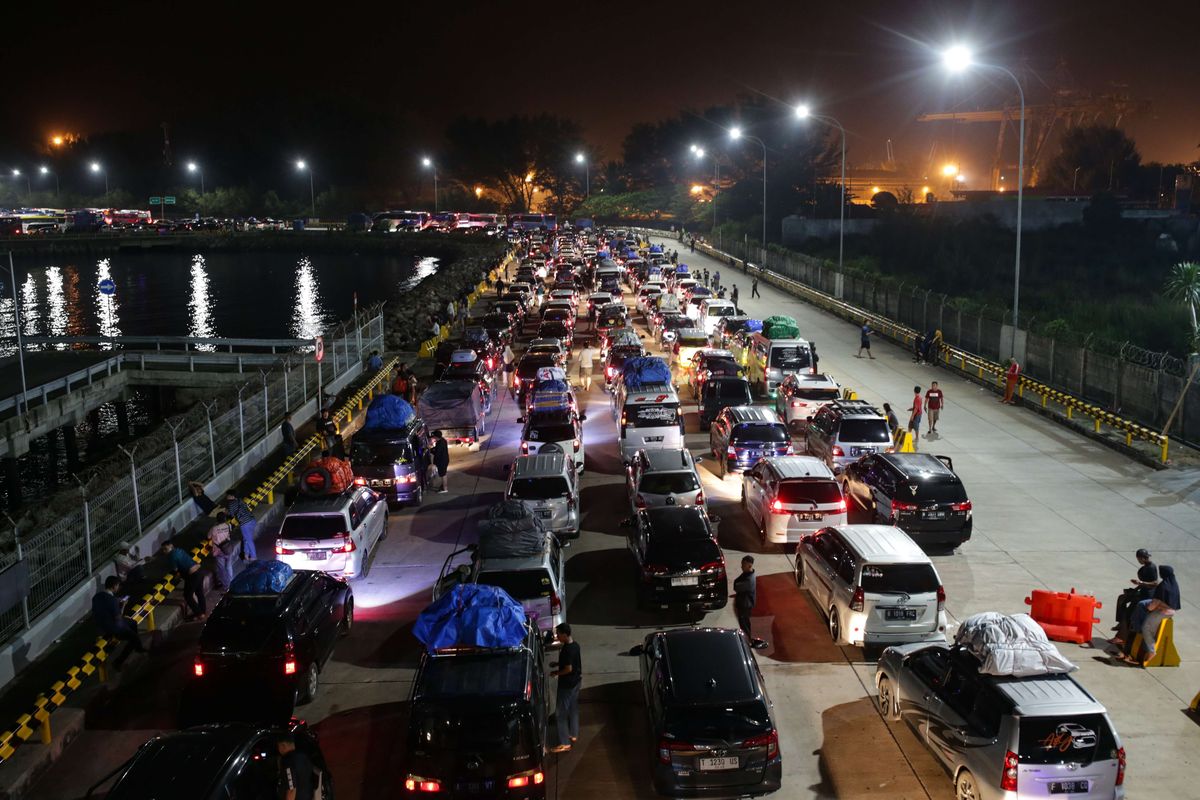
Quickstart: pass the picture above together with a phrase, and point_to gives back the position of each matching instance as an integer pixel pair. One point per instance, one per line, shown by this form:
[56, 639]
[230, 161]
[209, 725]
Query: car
[548, 346]
[688, 342]
[526, 372]
[614, 362]
[800, 396]
[712, 311]
[333, 533]
[709, 714]
[223, 762]
[260, 655]
[707, 362]
[741, 435]
[669, 327]
[679, 563]
[514, 308]
[718, 394]
[917, 492]
[499, 327]
[559, 427]
[564, 315]
[771, 360]
[548, 485]
[843, 431]
[558, 330]
[473, 371]
[657, 478]
[649, 417]
[873, 583]
[596, 301]
[789, 496]
[393, 461]
[1002, 737]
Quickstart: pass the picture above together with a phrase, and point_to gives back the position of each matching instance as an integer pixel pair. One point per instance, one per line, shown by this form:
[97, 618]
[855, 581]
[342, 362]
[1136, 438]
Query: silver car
[668, 477]
[1002, 738]
[548, 486]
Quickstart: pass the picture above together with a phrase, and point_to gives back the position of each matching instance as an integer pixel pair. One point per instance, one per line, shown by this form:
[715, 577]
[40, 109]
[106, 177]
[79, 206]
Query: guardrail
[92, 661]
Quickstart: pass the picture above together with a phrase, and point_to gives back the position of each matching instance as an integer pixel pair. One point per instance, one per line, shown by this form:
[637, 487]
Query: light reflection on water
[200, 305]
[107, 318]
[308, 315]
[56, 304]
[30, 310]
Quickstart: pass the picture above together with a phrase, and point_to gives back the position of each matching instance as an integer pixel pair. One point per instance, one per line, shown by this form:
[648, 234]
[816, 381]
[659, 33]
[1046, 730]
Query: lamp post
[957, 59]
[96, 167]
[302, 166]
[580, 158]
[427, 162]
[736, 133]
[16, 173]
[44, 170]
[804, 112]
[698, 152]
[194, 167]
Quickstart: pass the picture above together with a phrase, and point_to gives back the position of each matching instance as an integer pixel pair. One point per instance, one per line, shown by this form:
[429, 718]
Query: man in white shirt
[587, 358]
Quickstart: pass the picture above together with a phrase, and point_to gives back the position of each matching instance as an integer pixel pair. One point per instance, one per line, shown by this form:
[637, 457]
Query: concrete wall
[797, 230]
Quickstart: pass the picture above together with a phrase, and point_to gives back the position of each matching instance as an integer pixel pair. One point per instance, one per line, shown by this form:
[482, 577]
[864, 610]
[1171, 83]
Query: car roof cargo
[511, 531]
[388, 412]
[1010, 644]
[645, 370]
[261, 578]
[471, 615]
[780, 327]
[327, 475]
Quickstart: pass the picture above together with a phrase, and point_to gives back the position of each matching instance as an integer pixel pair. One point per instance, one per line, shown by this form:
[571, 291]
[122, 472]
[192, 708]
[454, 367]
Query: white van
[648, 418]
[711, 311]
[772, 360]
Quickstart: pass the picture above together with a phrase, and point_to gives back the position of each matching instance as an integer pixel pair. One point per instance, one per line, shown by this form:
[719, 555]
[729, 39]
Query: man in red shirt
[914, 419]
[934, 400]
[1011, 376]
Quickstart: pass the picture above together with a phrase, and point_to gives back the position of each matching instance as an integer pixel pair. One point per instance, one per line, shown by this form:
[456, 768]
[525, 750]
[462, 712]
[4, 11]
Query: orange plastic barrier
[1064, 616]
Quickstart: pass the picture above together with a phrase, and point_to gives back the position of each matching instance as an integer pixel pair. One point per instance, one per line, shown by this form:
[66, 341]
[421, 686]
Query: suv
[663, 478]
[876, 586]
[1002, 736]
[547, 485]
[393, 461]
[477, 725]
[716, 394]
[559, 427]
[724, 329]
[679, 563]
[788, 496]
[709, 713]
[845, 430]
[334, 533]
[916, 492]
[741, 435]
[801, 396]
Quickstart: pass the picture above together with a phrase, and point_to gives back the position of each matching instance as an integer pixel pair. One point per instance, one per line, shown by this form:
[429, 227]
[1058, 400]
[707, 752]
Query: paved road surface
[1052, 510]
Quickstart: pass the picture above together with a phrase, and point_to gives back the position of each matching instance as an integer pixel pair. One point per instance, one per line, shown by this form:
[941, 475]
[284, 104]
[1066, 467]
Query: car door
[883, 488]
[821, 568]
[755, 494]
[947, 713]
[320, 608]
[360, 523]
[920, 676]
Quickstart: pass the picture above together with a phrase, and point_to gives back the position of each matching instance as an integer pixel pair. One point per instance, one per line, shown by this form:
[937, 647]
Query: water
[235, 295]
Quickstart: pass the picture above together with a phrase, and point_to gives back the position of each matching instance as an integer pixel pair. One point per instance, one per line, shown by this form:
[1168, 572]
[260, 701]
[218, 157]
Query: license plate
[933, 514]
[652, 438]
[685, 581]
[1068, 787]
[809, 516]
[317, 555]
[381, 483]
[900, 613]
[545, 514]
[724, 762]
[861, 451]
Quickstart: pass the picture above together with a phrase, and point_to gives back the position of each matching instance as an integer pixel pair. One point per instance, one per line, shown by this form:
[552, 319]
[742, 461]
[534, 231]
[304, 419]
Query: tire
[310, 685]
[799, 572]
[347, 623]
[965, 786]
[416, 503]
[835, 626]
[316, 481]
[889, 704]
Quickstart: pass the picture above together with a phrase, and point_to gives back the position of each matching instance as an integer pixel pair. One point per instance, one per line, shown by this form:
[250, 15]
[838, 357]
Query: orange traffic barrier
[1064, 616]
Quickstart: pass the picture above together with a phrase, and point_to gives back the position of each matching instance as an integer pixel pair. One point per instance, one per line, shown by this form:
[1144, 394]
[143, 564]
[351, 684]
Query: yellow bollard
[1164, 449]
[1043, 401]
[1128, 439]
[150, 624]
[271, 496]
[43, 716]
[1097, 426]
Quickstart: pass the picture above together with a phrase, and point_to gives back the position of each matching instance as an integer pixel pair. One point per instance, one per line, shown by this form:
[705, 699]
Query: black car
[679, 563]
[262, 654]
[499, 327]
[917, 492]
[526, 372]
[511, 306]
[726, 327]
[717, 394]
[741, 435]
[557, 330]
[709, 713]
[614, 363]
[393, 461]
[475, 371]
[477, 726]
[214, 762]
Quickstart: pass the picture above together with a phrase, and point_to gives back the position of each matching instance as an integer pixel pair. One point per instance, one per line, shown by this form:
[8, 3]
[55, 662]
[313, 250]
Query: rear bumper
[668, 782]
[884, 639]
[781, 530]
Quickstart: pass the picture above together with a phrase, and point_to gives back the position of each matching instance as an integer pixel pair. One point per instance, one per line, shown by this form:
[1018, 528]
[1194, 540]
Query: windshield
[496, 321]
[864, 430]
[734, 723]
[721, 311]
[529, 366]
[550, 432]
[690, 339]
[472, 676]
[556, 329]
[312, 526]
[669, 483]
[539, 488]
[933, 491]
[1066, 738]
[899, 579]
[815, 393]
[181, 767]
[760, 432]
[790, 357]
[731, 393]
[525, 584]
[805, 492]
[380, 455]
[658, 415]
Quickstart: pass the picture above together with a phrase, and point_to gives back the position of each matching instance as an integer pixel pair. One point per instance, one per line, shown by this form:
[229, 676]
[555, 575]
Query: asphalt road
[1052, 510]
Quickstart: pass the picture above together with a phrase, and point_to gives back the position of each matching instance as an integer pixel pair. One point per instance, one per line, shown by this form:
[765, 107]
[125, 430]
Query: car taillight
[651, 570]
[666, 746]
[413, 783]
[347, 544]
[289, 664]
[555, 604]
[578, 444]
[777, 507]
[280, 550]
[789, 450]
[731, 451]
[858, 601]
[639, 501]
[1008, 778]
[714, 566]
[1120, 766]
[837, 451]
[840, 507]
[963, 506]
[491, 364]
[699, 498]
[898, 506]
[360, 481]
[516, 379]
[535, 778]
[524, 448]
[798, 404]
[198, 668]
[767, 740]
[941, 599]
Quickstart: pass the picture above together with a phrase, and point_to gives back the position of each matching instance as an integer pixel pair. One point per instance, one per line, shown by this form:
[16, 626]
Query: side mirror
[637, 650]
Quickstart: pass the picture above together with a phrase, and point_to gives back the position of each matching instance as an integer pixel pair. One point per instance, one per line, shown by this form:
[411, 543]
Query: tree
[1183, 286]
[1106, 159]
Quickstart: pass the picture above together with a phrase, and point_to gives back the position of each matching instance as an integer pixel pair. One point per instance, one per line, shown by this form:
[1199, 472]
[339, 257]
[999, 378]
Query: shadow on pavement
[612, 757]
[365, 748]
[147, 696]
[785, 618]
[610, 599]
[603, 508]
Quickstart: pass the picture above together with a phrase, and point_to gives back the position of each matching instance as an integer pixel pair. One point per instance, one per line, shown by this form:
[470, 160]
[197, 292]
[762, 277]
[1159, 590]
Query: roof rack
[861, 406]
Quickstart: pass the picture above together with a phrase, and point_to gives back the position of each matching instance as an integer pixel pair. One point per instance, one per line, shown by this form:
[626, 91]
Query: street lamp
[736, 133]
[804, 112]
[16, 173]
[194, 167]
[580, 158]
[302, 166]
[44, 170]
[957, 59]
[427, 162]
[698, 152]
[95, 166]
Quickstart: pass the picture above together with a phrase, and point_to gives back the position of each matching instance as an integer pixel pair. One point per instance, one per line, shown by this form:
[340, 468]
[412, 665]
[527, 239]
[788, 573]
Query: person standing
[754, 288]
[441, 459]
[587, 360]
[106, 613]
[864, 340]
[893, 424]
[1142, 589]
[915, 412]
[288, 433]
[692, 242]
[1011, 376]
[716, 284]
[745, 595]
[705, 273]
[733, 295]
[935, 401]
[570, 677]
[375, 362]
[295, 771]
[241, 514]
[816, 358]
[224, 549]
[182, 563]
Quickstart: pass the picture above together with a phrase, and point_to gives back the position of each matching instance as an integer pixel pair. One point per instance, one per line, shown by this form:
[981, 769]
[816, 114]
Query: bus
[527, 222]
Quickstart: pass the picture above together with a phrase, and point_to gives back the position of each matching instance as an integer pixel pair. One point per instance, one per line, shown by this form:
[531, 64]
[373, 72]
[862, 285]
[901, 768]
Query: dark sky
[103, 66]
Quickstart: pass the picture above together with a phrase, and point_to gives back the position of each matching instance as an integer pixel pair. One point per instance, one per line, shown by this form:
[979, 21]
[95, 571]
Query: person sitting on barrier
[181, 562]
[1149, 615]
[204, 504]
[1142, 589]
[106, 613]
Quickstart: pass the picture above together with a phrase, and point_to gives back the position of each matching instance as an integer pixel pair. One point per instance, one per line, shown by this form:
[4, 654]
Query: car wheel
[799, 572]
[347, 623]
[311, 682]
[417, 500]
[964, 787]
[835, 626]
[889, 705]
[383, 534]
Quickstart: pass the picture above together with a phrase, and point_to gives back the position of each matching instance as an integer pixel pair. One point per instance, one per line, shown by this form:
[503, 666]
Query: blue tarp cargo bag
[681, 270]
[754, 325]
[645, 371]
[471, 615]
[388, 411]
[655, 248]
[261, 577]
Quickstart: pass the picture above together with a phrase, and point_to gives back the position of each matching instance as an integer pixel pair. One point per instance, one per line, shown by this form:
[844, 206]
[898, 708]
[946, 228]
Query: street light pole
[427, 162]
[303, 166]
[96, 167]
[735, 134]
[803, 112]
[194, 167]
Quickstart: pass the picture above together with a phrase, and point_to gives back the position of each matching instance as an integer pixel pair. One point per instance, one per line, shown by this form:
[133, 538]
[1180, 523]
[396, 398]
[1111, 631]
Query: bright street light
[735, 133]
[802, 111]
[312, 192]
[44, 170]
[427, 162]
[580, 158]
[950, 170]
[95, 165]
[16, 173]
[960, 178]
[957, 58]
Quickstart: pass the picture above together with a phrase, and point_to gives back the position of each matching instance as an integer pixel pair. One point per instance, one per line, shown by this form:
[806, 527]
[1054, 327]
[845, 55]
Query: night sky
[126, 66]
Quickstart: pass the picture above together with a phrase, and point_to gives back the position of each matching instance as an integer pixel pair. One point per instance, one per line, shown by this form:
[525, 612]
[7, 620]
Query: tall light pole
[958, 59]
[427, 163]
[16, 173]
[96, 167]
[736, 133]
[44, 170]
[804, 112]
[312, 192]
[194, 167]
[698, 152]
[580, 158]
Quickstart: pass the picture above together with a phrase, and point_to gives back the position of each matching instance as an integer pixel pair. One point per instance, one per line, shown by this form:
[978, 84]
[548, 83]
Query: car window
[668, 483]
[828, 551]
[527, 584]
[864, 430]
[312, 526]
[809, 491]
[941, 491]
[1065, 738]
[929, 666]
[356, 515]
[546, 488]
[760, 432]
[899, 578]
[958, 691]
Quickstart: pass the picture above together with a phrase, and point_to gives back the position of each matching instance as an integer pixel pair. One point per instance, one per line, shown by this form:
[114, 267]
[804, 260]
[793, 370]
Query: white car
[560, 427]
[789, 496]
[333, 533]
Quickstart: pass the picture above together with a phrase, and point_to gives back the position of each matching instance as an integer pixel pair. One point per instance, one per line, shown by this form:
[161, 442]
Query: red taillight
[858, 601]
[289, 666]
[714, 566]
[777, 507]
[898, 506]
[731, 451]
[578, 444]
[963, 506]
[280, 550]
[198, 668]
[491, 364]
[414, 784]
[360, 481]
[699, 498]
[611, 372]
[516, 379]
[837, 451]
[524, 448]
[767, 740]
[347, 545]
[666, 746]
[1120, 766]
[652, 570]
[555, 604]
[941, 599]
[840, 508]
[1008, 778]
[639, 501]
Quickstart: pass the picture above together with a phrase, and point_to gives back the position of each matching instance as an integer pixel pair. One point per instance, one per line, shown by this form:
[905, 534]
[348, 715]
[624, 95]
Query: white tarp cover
[1010, 644]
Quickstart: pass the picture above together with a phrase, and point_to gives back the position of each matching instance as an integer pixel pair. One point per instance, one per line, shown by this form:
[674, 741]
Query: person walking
[733, 295]
[816, 358]
[1142, 589]
[570, 677]
[287, 432]
[1149, 614]
[705, 273]
[224, 550]
[754, 288]
[745, 595]
[500, 285]
[182, 563]
[106, 613]
[241, 514]
[692, 242]
[864, 340]
[1011, 376]
[295, 771]
[587, 360]
[935, 401]
[716, 284]
[441, 459]
[914, 416]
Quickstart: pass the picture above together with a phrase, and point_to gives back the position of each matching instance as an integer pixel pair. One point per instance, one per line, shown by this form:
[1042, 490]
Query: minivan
[874, 584]
[845, 430]
[741, 435]
[789, 496]
[393, 461]
[917, 492]
[712, 310]
[771, 360]
[333, 533]
[546, 483]
[648, 417]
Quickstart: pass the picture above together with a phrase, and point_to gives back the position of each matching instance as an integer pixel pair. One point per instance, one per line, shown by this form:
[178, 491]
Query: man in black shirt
[106, 613]
[1142, 589]
[570, 676]
[441, 459]
[745, 594]
[295, 771]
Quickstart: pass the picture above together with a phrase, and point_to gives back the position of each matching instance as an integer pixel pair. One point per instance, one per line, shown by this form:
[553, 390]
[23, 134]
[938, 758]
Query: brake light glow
[578, 444]
[941, 599]
[651, 570]
[768, 740]
[840, 508]
[289, 666]
[280, 550]
[777, 507]
[347, 546]
[731, 451]
[858, 601]
[837, 451]
[700, 498]
[963, 506]
[198, 668]
[898, 506]
[360, 481]
[1120, 766]
[714, 566]
[666, 746]
[1008, 778]
[414, 783]
[526, 779]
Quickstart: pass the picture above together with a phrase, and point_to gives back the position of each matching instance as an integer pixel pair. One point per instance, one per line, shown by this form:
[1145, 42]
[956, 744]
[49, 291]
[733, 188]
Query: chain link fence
[62, 554]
